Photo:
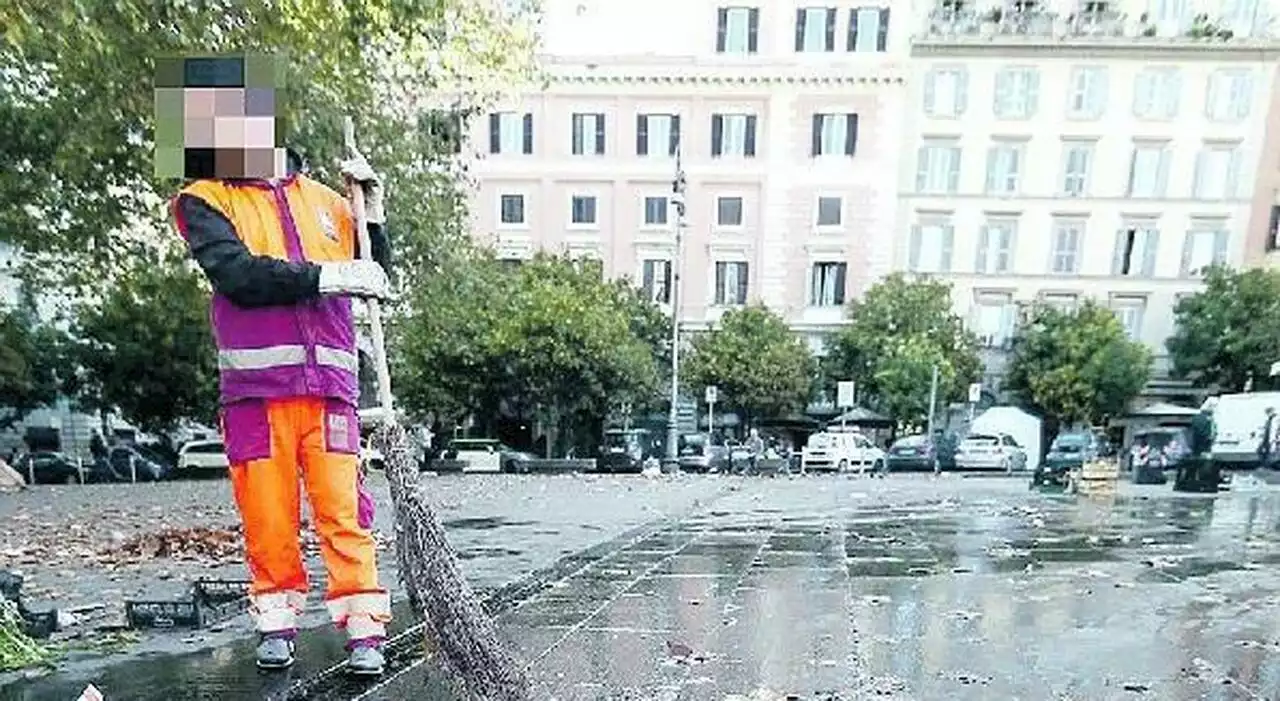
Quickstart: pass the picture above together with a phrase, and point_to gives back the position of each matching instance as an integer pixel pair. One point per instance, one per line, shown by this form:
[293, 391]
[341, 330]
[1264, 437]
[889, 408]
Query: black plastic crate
[208, 601]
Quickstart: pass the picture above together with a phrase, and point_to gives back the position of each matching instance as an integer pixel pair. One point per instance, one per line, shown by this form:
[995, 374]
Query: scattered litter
[1138, 688]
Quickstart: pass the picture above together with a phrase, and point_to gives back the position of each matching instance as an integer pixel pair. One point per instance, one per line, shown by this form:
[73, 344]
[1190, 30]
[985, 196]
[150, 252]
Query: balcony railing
[949, 23]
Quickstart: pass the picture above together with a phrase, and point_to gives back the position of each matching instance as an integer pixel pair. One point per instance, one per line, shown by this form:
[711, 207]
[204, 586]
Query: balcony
[948, 25]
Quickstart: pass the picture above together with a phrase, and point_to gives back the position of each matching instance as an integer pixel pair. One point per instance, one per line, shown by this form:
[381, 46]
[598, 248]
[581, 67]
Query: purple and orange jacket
[259, 243]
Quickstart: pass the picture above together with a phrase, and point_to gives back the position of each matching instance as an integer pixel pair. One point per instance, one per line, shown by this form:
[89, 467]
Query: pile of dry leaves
[196, 543]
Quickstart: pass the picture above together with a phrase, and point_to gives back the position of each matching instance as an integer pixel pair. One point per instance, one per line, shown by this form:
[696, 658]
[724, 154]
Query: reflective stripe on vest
[283, 356]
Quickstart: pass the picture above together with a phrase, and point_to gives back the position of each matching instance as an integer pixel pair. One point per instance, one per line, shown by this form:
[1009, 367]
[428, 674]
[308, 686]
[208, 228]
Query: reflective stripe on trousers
[284, 356]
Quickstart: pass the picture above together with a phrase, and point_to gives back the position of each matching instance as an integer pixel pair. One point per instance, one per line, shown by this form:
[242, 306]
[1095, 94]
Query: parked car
[487, 455]
[912, 453]
[1068, 452]
[841, 452]
[127, 463]
[627, 450]
[48, 467]
[990, 451]
[202, 456]
[698, 454]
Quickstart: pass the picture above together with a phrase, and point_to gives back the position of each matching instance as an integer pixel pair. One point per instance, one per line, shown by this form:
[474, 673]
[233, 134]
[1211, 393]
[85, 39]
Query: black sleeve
[380, 242]
[245, 279]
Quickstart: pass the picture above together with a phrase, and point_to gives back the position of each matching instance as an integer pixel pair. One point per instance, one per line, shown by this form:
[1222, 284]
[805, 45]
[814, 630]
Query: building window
[1136, 250]
[1004, 164]
[1063, 302]
[1230, 96]
[588, 134]
[1129, 312]
[834, 135]
[1156, 93]
[1273, 229]
[655, 211]
[511, 209]
[1077, 161]
[729, 212]
[868, 29]
[827, 286]
[1170, 16]
[830, 214]
[656, 280]
[1017, 93]
[737, 30]
[1243, 17]
[657, 134]
[1217, 172]
[511, 132]
[1087, 96]
[1205, 246]
[815, 29]
[583, 210]
[995, 247]
[994, 316]
[938, 168]
[733, 135]
[931, 247]
[1064, 251]
[946, 92]
[731, 283]
[1149, 170]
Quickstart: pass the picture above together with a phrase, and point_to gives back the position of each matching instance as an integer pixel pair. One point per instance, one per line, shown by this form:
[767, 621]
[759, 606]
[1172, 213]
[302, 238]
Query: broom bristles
[457, 626]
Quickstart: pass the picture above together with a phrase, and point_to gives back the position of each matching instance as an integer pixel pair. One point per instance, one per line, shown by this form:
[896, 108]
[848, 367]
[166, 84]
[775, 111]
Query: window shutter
[753, 30]
[841, 275]
[882, 37]
[948, 245]
[1172, 94]
[813, 279]
[1212, 95]
[742, 283]
[528, 132]
[1162, 173]
[1244, 101]
[984, 251]
[666, 282]
[800, 29]
[1117, 256]
[1033, 92]
[953, 164]
[495, 133]
[648, 279]
[962, 92]
[913, 253]
[1188, 242]
[922, 168]
[675, 135]
[1144, 94]
[816, 144]
[930, 92]
[1220, 248]
[722, 29]
[1001, 93]
[1133, 171]
[850, 134]
[717, 134]
[1197, 180]
[851, 43]
[642, 135]
[993, 165]
[1233, 175]
[1151, 247]
[831, 29]
[719, 296]
[750, 145]
[576, 145]
[600, 134]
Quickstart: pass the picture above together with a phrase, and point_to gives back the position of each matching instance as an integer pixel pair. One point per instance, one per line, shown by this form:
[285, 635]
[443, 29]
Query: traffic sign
[712, 395]
[844, 394]
[975, 392]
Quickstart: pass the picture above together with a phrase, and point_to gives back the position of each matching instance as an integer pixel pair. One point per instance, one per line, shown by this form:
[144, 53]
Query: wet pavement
[834, 588]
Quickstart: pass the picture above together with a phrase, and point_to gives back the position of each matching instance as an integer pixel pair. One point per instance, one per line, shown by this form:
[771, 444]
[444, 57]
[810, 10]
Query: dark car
[699, 454]
[626, 450]
[1068, 452]
[912, 453]
[48, 467]
[1156, 451]
[128, 464]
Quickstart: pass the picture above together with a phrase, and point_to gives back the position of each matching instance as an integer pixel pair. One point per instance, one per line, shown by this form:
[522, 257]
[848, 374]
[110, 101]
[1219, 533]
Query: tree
[897, 333]
[1229, 332]
[761, 369]
[29, 364]
[145, 348]
[1077, 365]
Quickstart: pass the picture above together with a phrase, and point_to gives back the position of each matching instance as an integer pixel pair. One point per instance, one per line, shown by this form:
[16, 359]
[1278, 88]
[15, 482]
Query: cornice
[693, 78]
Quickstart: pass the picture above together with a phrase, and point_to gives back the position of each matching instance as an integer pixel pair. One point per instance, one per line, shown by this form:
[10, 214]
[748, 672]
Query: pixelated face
[216, 117]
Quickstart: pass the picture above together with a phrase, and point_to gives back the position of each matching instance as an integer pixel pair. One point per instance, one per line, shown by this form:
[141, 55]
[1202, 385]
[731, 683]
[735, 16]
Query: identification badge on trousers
[339, 430]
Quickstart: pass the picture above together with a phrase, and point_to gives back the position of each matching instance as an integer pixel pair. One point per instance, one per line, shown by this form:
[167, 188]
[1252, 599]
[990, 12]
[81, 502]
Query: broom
[456, 623]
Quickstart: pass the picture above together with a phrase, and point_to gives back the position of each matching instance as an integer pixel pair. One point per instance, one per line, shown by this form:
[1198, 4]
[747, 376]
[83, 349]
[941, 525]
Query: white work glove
[357, 169]
[354, 278]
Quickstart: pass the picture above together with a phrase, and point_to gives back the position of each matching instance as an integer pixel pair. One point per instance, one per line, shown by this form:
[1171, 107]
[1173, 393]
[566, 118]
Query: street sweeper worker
[280, 251]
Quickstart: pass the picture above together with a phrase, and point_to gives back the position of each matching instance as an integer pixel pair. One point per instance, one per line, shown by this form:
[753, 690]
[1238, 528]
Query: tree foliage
[30, 354]
[1076, 365]
[145, 348]
[760, 367]
[1229, 332]
[549, 339]
[897, 333]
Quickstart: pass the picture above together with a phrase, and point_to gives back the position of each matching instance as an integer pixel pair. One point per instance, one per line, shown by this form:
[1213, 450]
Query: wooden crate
[1095, 478]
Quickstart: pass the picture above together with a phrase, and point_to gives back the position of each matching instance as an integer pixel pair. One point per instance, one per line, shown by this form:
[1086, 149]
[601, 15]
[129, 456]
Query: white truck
[1238, 422]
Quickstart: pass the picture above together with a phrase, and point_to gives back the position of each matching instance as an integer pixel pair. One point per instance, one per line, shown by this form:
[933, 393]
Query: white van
[1238, 420]
[840, 452]
[202, 456]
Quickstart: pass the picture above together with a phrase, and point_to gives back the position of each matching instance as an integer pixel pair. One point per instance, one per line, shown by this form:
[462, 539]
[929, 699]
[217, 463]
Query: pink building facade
[791, 162]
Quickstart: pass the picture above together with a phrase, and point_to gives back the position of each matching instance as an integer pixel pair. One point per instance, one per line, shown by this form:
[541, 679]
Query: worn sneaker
[366, 661]
[275, 653]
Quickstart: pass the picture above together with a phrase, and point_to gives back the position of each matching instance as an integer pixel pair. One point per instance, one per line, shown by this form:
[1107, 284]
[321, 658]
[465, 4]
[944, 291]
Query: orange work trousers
[271, 444]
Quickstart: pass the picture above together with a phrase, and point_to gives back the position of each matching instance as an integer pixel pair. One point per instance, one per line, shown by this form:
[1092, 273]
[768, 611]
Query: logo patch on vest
[338, 430]
[326, 224]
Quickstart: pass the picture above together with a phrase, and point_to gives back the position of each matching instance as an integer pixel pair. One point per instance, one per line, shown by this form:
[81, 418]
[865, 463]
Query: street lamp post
[673, 416]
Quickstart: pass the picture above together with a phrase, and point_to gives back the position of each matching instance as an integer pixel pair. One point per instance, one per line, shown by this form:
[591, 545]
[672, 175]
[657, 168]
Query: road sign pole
[933, 399]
